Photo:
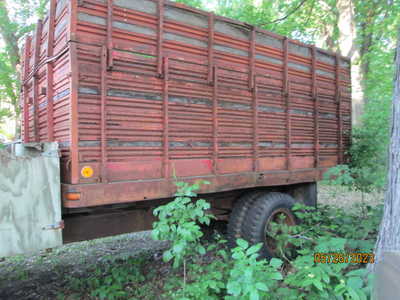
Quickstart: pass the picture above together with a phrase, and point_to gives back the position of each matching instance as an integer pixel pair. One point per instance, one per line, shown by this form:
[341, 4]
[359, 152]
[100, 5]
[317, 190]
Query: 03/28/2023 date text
[340, 258]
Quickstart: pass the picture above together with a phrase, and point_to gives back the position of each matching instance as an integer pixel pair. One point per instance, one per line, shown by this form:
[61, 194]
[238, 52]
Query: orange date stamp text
[341, 258]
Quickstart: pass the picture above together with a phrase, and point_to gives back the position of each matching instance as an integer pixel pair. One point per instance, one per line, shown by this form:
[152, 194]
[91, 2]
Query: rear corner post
[50, 71]
[25, 90]
[35, 74]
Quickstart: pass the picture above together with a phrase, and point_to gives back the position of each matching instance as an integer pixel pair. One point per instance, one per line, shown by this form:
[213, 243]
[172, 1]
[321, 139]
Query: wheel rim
[280, 216]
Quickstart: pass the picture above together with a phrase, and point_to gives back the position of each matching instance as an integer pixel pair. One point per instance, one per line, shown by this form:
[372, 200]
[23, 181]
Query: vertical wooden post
[110, 44]
[74, 86]
[286, 93]
[252, 54]
[215, 121]
[166, 171]
[339, 110]
[38, 39]
[255, 126]
[73, 19]
[103, 123]
[211, 20]
[160, 30]
[28, 44]
[253, 88]
[49, 71]
[316, 105]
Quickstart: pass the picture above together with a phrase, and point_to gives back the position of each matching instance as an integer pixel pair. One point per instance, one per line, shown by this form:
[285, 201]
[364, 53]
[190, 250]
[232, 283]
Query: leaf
[238, 255]
[262, 286]
[254, 295]
[167, 256]
[353, 294]
[202, 250]
[355, 283]
[276, 276]
[242, 243]
[275, 262]
[325, 277]
[253, 249]
[317, 283]
[357, 272]
[233, 288]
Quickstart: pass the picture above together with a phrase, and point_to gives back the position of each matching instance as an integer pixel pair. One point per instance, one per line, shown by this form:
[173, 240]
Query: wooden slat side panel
[226, 103]
[135, 113]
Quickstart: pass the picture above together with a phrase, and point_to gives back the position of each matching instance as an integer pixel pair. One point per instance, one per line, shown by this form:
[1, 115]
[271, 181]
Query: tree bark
[348, 47]
[325, 38]
[367, 38]
[389, 233]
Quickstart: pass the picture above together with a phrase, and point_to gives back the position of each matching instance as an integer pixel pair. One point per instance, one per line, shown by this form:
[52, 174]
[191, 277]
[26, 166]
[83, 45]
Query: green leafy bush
[179, 222]
[251, 278]
[211, 271]
[296, 276]
[326, 230]
[206, 275]
[366, 169]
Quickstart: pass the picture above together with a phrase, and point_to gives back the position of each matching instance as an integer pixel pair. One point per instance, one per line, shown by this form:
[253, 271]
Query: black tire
[237, 216]
[264, 209]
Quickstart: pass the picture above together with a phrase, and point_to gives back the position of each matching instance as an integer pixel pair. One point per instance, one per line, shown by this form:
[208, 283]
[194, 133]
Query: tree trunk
[348, 47]
[325, 39]
[365, 46]
[389, 232]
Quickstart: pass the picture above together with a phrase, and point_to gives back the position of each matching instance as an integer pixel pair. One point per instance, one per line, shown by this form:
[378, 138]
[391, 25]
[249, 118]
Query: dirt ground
[339, 196]
[44, 275]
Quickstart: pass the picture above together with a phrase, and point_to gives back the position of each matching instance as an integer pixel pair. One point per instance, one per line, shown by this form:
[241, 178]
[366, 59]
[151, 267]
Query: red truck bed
[145, 91]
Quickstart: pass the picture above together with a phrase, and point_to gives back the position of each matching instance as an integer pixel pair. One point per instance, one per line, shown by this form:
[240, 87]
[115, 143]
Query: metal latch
[59, 225]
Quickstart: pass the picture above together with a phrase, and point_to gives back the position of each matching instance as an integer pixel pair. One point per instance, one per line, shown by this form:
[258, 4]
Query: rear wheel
[238, 215]
[267, 208]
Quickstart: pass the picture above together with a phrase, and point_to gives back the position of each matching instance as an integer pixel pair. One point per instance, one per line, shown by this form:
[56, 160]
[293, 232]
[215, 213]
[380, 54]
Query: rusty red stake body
[139, 93]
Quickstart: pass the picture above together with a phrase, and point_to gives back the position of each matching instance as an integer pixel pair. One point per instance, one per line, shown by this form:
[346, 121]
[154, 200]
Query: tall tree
[348, 46]
[389, 233]
[9, 62]
[16, 20]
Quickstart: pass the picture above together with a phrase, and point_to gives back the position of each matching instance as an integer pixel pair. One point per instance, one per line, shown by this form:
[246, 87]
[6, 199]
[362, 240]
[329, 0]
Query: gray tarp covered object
[30, 205]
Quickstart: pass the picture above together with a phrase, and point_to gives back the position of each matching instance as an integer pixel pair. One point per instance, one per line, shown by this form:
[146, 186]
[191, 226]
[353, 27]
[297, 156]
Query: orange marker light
[87, 172]
[73, 196]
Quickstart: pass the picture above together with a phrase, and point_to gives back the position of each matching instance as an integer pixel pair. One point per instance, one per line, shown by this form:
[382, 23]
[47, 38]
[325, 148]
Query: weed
[251, 278]
[211, 271]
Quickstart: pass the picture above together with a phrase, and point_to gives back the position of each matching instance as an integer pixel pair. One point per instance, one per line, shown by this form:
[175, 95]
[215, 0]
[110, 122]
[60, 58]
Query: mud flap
[30, 200]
